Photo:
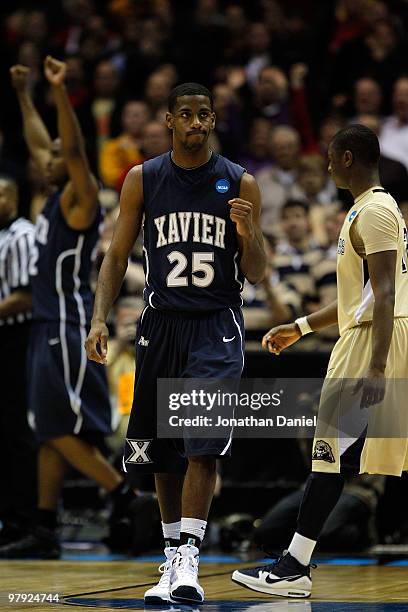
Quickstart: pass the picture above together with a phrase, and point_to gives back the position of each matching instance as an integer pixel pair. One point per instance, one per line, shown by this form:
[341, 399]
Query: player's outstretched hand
[241, 215]
[19, 76]
[280, 337]
[54, 70]
[97, 339]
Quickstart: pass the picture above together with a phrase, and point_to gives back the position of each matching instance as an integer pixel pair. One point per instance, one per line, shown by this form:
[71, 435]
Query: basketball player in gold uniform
[372, 313]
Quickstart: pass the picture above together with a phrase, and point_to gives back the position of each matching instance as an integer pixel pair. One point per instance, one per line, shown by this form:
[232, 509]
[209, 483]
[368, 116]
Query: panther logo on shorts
[323, 452]
[139, 451]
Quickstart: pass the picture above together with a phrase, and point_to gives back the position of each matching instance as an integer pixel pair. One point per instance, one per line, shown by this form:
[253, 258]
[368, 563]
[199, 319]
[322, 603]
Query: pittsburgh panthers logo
[323, 452]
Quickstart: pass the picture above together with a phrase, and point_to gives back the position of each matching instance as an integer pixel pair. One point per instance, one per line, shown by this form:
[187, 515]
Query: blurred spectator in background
[155, 139]
[257, 154]
[313, 178]
[297, 252]
[318, 191]
[394, 132]
[118, 154]
[270, 96]
[77, 87]
[157, 89]
[328, 128]
[277, 183]
[258, 45]
[367, 97]
[228, 128]
[105, 105]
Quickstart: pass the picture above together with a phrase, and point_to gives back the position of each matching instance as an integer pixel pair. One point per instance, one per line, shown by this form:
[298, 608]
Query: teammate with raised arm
[68, 396]
[201, 237]
[372, 313]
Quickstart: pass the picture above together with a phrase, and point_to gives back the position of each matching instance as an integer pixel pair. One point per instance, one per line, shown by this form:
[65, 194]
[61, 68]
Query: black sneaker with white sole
[285, 577]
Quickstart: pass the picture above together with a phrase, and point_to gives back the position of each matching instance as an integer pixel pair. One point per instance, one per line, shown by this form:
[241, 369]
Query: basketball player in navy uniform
[68, 395]
[201, 237]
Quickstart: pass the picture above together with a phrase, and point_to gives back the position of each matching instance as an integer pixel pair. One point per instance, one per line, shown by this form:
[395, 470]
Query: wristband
[303, 325]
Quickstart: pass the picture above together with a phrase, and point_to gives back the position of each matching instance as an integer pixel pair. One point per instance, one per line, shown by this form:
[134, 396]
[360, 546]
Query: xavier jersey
[61, 266]
[191, 254]
[373, 224]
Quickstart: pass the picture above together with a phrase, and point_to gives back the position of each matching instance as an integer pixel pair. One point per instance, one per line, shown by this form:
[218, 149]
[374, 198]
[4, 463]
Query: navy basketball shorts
[67, 393]
[179, 345]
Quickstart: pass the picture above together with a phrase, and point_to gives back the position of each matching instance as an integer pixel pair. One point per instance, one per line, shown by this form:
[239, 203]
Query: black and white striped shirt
[16, 244]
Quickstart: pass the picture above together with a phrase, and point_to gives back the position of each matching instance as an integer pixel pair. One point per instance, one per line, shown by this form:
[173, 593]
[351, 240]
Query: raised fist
[19, 76]
[55, 70]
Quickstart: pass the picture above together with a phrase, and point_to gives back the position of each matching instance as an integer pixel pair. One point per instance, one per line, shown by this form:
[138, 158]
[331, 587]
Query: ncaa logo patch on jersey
[222, 185]
[353, 214]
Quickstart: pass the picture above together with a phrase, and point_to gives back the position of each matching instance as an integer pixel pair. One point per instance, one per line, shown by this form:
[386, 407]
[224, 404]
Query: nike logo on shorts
[54, 341]
[228, 339]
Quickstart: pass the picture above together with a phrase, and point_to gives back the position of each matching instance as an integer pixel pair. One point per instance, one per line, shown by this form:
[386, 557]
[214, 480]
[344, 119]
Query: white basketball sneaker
[160, 593]
[185, 587]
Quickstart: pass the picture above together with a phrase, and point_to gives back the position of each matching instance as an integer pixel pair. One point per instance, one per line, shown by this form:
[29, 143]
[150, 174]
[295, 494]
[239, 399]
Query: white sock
[302, 548]
[171, 531]
[195, 527]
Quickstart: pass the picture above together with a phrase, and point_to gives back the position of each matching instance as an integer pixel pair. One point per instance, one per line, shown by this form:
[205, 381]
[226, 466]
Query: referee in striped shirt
[17, 446]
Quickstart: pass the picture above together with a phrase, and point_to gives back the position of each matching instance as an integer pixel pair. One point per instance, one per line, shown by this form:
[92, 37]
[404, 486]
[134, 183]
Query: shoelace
[187, 564]
[164, 569]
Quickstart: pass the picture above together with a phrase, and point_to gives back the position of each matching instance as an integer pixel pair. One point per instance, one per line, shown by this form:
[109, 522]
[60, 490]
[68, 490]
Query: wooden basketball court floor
[350, 585]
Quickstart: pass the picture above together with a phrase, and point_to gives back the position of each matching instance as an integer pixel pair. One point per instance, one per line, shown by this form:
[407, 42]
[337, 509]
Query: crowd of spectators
[285, 77]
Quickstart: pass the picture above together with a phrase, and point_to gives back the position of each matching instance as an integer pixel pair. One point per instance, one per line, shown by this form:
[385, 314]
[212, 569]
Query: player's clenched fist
[97, 339]
[55, 70]
[280, 337]
[241, 215]
[19, 76]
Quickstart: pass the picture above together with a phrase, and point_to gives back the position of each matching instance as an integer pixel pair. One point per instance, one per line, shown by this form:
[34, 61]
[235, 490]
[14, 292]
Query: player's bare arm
[80, 196]
[381, 269]
[115, 262]
[245, 213]
[280, 337]
[18, 301]
[35, 133]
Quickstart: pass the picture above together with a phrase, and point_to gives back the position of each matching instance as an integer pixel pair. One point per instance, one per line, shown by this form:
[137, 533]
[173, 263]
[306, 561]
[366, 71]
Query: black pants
[18, 449]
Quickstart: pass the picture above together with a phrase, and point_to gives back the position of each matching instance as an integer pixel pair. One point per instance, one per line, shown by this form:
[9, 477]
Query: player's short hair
[292, 203]
[361, 141]
[189, 89]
